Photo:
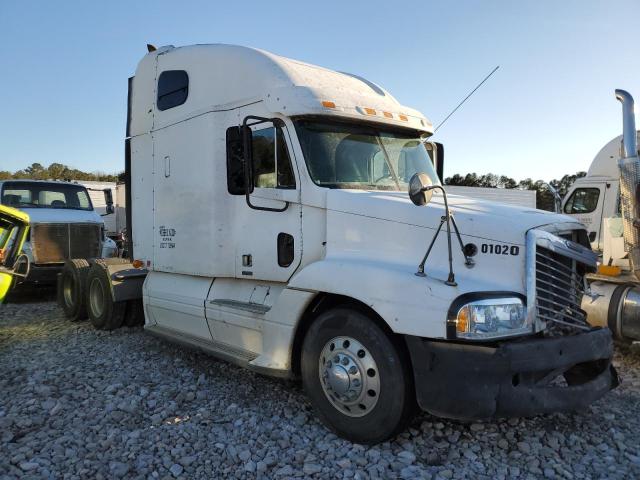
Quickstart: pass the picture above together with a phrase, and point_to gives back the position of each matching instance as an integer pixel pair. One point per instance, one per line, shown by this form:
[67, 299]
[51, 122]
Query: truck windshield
[45, 195]
[345, 155]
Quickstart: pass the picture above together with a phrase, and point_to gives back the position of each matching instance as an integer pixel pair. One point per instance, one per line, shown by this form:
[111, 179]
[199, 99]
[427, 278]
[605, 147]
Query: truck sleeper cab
[270, 222]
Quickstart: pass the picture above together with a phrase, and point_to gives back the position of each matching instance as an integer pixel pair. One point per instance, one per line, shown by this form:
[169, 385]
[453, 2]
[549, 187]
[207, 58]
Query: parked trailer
[508, 196]
[96, 192]
[270, 226]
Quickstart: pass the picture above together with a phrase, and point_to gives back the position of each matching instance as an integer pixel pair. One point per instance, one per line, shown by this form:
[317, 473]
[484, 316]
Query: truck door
[267, 230]
[585, 203]
[268, 223]
[14, 226]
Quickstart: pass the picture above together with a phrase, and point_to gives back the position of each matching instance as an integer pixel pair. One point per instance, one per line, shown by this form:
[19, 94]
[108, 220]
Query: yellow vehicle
[14, 227]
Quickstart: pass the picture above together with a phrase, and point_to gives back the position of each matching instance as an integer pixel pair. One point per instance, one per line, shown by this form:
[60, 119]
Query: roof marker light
[403, 117]
[369, 111]
[328, 104]
[388, 114]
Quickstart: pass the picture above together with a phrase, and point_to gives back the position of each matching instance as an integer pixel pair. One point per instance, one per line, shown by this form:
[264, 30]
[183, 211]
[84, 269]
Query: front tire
[357, 377]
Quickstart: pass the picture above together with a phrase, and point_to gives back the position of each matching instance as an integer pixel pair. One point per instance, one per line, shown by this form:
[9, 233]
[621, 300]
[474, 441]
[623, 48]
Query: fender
[418, 306]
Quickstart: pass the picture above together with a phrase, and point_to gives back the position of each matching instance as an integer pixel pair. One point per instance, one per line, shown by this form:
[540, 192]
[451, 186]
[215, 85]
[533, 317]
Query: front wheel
[357, 377]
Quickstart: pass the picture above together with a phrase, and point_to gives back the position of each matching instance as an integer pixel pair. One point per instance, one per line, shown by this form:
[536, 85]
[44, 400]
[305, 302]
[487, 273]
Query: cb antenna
[466, 98]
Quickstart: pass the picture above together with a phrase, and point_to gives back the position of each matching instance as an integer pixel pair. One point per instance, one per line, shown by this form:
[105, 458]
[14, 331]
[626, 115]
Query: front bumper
[512, 379]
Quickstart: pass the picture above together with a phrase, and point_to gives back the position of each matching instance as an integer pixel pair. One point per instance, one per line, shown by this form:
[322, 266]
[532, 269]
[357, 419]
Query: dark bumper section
[516, 378]
[44, 274]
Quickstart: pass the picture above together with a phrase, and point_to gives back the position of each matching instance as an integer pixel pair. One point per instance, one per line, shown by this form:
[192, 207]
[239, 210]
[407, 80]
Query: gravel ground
[78, 403]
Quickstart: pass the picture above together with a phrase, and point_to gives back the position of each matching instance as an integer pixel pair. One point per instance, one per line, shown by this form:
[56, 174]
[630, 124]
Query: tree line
[57, 171]
[544, 197]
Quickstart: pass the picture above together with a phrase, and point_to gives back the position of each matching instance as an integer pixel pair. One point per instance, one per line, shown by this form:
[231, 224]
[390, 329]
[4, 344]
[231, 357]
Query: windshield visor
[356, 156]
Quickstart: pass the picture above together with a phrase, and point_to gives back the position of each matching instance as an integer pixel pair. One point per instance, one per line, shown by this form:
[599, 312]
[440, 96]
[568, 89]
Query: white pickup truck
[279, 215]
[63, 223]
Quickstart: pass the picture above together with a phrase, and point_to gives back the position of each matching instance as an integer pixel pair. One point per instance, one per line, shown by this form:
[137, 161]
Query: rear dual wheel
[71, 289]
[104, 312]
[357, 377]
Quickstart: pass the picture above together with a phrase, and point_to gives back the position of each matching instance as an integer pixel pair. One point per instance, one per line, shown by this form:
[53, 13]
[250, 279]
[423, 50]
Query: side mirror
[247, 148]
[22, 266]
[108, 200]
[419, 189]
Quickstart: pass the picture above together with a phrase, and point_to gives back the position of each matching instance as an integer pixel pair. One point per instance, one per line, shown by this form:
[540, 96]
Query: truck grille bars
[55, 242]
[555, 282]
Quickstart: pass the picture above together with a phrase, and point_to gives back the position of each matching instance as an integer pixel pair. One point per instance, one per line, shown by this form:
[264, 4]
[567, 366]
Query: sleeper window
[173, 89]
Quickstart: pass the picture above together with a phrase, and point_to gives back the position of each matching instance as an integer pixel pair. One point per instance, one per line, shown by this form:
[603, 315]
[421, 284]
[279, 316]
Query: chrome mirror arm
[448, 219]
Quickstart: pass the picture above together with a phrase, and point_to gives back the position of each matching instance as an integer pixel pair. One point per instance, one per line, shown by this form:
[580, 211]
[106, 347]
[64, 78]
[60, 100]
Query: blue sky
[546, 112]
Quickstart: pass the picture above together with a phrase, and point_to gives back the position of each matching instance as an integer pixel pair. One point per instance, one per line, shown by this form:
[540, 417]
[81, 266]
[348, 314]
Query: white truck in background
[611, 216]
[594, 198]
[63, 225]
[279, 215]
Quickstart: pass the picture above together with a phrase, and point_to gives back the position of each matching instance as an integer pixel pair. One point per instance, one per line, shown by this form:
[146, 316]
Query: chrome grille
[559, 291]
[558, 266]
[55, 242]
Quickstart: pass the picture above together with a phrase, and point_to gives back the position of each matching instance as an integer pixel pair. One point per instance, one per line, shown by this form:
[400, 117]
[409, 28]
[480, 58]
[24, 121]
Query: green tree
[36, 171]
[56, 171]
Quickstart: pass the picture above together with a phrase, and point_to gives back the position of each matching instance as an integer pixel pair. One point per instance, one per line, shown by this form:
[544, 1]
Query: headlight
[492, 318]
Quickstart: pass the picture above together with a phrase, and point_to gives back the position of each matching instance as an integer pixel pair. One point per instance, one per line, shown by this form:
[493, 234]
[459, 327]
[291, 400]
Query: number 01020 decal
[499, 249]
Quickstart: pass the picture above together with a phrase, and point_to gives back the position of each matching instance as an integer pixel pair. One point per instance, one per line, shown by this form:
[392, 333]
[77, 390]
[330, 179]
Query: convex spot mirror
[417, 189]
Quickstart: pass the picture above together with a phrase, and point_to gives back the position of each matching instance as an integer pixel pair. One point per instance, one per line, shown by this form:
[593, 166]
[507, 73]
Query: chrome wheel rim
[349, 376]
[96, 298]
[67, 291]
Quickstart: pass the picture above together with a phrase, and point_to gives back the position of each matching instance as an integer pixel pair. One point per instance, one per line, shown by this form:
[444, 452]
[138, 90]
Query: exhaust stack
[629, 166]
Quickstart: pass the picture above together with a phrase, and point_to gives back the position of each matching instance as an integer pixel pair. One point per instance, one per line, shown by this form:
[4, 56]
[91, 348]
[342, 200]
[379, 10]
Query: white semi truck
[600, 202]
[270, 225]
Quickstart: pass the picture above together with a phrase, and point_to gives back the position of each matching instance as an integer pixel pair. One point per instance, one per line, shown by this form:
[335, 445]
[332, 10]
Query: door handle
[167, 166]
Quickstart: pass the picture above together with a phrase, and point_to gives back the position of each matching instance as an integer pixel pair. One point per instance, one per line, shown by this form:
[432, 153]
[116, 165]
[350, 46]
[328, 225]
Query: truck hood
[61, 215]
[475, 218]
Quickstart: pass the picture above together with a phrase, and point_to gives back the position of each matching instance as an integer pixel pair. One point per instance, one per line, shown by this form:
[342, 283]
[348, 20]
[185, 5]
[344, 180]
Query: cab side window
[173, 89]
[582, 200]
[271, 161]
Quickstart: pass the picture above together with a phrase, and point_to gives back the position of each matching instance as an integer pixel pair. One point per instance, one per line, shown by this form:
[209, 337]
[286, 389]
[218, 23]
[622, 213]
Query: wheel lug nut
[356, 383]
[329, 364]
[353, 370]
[336, 359]
[345, 361]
